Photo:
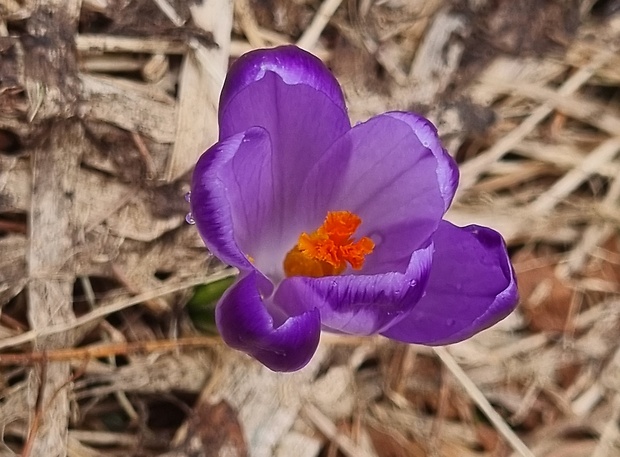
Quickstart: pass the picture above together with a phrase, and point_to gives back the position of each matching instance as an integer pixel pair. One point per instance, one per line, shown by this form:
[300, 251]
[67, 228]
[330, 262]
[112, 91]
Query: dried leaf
[219, 430]
[388, 445]
[546, 300]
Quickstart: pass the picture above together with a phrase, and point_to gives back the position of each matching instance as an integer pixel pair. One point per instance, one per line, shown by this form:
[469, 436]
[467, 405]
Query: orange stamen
[329, 249]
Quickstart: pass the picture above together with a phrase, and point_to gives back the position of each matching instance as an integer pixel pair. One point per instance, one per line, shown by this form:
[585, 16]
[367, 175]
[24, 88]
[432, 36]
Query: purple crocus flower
[334, 227]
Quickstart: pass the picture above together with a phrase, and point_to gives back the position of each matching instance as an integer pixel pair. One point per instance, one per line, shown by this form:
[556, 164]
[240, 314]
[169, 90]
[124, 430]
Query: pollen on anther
[329, 249]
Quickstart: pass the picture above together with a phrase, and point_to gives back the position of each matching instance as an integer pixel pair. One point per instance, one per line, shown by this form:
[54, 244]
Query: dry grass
[105, 106]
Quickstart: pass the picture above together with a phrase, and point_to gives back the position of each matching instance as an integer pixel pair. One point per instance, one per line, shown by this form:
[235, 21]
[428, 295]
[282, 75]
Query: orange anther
[329, 249]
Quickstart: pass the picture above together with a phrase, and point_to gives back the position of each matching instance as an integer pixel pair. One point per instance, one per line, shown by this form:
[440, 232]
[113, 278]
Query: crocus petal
[228, 189]
[447, 169]
[471, 287]
[291, 94]
[210, 205]
[380, 171]
[358, 304]
[245, 324]
[293, 65]
[235, 206]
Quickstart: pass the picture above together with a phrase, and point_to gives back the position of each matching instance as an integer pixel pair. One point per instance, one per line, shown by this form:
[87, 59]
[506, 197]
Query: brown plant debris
[105, 106]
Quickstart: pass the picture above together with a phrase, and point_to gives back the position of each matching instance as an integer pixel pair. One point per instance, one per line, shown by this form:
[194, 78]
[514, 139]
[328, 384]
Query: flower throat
[328, 250]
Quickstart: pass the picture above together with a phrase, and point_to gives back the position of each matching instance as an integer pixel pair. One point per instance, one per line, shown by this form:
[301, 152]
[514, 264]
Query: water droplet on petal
[188, 197]
[450, 322]
[376, 237]
[189, 219]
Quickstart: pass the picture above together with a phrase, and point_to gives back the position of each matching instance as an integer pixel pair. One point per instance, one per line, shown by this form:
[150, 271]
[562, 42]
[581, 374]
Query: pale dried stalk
[478, 397]
[96, 44]
[593, 236]
[115, 306]
[329, 429]
[574, 106]
[170, 12]
[311, 35]
[50, 79]
[472, 169]
[601, 155]
[609, 443]
[202, 78]
[247, 21]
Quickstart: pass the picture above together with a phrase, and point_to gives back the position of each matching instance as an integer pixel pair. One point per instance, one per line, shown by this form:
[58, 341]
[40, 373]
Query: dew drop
[189, 219]
[188, 197]
[376, 237]
[451, 322]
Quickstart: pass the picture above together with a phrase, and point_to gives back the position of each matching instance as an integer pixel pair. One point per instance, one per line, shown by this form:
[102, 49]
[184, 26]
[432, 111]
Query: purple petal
[245, 324]
[447, 170]
[294, 66]
[471, 287]
[210, 203]
[257, 218]
[358, 304]
[230, 203]
[380, 171]
[293, 96]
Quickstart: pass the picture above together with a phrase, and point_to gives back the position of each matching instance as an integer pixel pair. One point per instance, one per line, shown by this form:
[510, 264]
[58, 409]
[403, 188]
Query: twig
[13, 226]
[38, 412]
[106, 350]
[145, 154]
